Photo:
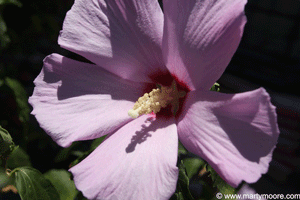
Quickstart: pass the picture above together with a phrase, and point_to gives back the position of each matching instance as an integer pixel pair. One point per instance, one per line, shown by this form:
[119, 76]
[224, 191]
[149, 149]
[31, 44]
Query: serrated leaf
[6, 142]
[21, 98]
[32, 185]
[63, 184]
[18, 158]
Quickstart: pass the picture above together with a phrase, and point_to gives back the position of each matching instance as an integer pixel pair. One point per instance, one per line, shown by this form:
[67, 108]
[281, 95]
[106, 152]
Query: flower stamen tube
[156, 100]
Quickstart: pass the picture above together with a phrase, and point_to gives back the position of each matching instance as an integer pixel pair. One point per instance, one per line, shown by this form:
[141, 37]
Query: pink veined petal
[136, 162]
[123, 36]
[200, 38]
[78, 101]
[235, 133]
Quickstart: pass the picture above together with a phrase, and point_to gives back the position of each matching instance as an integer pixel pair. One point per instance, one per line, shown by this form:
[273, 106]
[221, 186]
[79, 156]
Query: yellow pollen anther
[158, 98]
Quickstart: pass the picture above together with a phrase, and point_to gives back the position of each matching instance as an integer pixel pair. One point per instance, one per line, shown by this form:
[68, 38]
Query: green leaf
[97, 142]
[193, 165]
[177, 196]
[218, 182]
[215, 87]
[18, 158]
[32, 185]
[64, 153]
[63, 184]
[181, 150]
[6, 143]
[21, 98]
[81, 156]
[4, 178]
[182, 189]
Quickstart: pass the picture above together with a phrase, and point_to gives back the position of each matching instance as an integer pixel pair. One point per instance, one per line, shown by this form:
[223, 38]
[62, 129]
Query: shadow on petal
[251, 141]
[50, 76]
[78, 79]
[142, 135]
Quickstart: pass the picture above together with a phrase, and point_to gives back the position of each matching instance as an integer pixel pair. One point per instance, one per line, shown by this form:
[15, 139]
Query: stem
[13, 171]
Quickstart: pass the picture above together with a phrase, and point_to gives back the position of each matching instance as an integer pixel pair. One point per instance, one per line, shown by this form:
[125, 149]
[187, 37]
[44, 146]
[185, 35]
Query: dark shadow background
[268, 56]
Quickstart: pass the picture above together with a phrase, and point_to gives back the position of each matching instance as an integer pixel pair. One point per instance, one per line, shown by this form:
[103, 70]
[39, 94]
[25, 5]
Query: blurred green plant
[6, 143]
[21, 99]
[4, 38]
[27, 181]
[15, 2]
[15, 109]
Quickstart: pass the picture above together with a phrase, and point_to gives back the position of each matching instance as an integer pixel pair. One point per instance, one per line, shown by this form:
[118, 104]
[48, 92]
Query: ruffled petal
[123, 36]
[235, 133]
[78, 101]
[136, 162]
[200, 38]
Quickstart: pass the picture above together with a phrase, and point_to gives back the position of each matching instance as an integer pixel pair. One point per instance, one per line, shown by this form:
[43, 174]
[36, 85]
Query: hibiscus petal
[136, 162]
[200, 38]
[123, 36]
[78, 101]
[235, 133]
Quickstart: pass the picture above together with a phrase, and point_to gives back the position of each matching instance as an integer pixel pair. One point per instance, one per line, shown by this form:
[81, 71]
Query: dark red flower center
[165, 100]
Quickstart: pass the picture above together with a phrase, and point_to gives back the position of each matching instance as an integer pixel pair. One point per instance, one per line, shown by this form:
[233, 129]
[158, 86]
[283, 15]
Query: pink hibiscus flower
[136, 48]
